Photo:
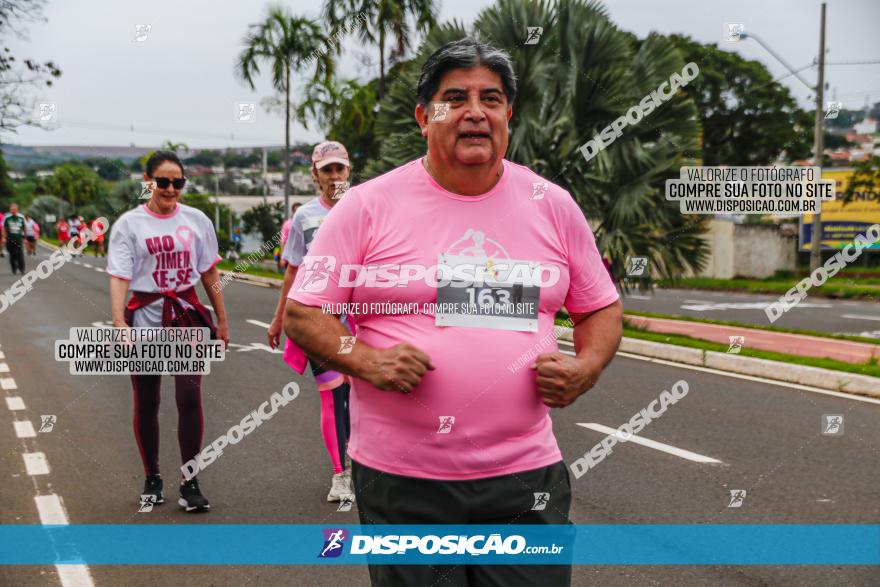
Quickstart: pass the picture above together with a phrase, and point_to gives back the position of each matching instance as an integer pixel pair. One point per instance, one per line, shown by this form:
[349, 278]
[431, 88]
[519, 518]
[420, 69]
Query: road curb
[269, 281]
[776, 370]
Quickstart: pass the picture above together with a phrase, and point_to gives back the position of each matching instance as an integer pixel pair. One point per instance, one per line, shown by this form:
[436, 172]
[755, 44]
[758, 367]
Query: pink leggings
[335, 426]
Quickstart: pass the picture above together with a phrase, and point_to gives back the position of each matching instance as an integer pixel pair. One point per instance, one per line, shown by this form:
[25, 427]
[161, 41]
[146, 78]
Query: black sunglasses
[163, 182]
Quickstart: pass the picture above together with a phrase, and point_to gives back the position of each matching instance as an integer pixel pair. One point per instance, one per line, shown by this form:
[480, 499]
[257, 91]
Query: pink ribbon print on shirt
[173, 265]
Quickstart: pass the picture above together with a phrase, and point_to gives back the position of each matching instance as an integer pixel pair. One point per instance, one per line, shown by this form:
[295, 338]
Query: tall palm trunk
[381, 91]
[287, 145]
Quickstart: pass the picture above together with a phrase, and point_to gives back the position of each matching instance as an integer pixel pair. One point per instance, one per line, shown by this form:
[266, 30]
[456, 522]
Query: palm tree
[288, 44]
[581, 75]
[375, 20]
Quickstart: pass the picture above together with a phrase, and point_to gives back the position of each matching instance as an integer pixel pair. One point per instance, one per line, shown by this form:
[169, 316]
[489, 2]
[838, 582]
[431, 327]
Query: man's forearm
[319, 334]
[118, 291]
[597, 335]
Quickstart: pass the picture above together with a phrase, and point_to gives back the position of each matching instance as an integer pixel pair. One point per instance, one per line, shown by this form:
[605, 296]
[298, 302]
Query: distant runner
[330, 171]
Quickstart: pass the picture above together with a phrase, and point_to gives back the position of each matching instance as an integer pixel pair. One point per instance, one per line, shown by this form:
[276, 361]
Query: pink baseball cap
[329, 152]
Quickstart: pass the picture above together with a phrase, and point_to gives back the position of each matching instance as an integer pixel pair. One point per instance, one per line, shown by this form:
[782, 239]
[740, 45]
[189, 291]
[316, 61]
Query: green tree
[111, 169]
[7, 190]
[289, 45]
[44, 207]
[205, 203]
[345, 111]
[582, 75]
[264, 219]
[747, 118]
[74, 183]
[374, 21]
[865, 179]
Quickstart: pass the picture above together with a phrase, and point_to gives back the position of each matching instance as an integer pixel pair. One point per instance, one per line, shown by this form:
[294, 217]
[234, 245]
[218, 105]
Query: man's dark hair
[159, 157]
[465, 54]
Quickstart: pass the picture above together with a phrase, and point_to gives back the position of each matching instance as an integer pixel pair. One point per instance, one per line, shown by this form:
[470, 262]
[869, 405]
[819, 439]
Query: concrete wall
[747, 250]
[761, 251]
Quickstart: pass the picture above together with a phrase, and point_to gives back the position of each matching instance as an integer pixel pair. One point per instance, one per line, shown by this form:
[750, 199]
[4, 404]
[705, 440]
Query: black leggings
[190, 421]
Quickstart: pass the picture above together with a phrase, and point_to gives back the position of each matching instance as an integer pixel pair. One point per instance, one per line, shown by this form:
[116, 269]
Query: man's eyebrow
[450, 91]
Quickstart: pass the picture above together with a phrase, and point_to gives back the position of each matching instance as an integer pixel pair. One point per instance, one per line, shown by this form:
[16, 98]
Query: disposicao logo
[334, 540]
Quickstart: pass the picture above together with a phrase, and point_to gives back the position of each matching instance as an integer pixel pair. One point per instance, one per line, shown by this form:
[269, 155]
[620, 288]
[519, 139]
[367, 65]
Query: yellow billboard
[842, 222]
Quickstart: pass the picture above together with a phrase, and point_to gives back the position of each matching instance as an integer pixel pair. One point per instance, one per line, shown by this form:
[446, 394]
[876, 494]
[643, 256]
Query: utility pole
[217, 203]
[265, 181]
[819, 146]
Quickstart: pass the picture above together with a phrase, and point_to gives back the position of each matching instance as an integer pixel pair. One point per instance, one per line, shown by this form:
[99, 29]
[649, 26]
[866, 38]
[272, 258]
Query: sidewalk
[780, 342]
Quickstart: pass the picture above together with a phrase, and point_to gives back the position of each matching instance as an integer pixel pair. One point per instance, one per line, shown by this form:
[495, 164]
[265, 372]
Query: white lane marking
[24, 429]
[36, 463]
[89, 265]
[99, 270]
[4, 368]
[7, 383]
[258, 323]
[2, 356]
[50, 509]
[635, 297]
[74, 575]
[860, 317]
[667, 448]
[52, 512]
[15, 403]
[798, 386]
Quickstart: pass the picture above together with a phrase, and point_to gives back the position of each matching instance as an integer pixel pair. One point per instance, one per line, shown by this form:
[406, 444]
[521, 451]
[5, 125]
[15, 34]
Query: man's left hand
[562, 378]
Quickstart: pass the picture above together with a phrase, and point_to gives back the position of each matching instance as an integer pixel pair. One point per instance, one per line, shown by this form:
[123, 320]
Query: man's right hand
[274, 333]
[399, 368]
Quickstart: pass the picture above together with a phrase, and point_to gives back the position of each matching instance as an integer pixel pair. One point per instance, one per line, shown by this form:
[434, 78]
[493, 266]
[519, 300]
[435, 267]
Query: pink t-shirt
[478, 414]
[285, 231]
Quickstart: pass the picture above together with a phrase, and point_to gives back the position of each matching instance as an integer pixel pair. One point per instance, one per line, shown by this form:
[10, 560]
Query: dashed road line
[24, 429]
[15, 403]
[7, 383]
[35, 463]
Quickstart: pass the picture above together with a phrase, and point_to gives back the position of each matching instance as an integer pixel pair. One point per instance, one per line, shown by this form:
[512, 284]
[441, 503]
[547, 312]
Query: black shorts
[31, 239]
[383, 498]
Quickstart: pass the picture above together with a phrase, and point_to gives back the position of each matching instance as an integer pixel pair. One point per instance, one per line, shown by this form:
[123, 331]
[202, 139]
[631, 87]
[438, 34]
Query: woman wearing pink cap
[330, 171]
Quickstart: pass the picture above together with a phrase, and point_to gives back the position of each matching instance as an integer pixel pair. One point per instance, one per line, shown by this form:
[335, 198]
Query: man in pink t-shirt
[453, 267]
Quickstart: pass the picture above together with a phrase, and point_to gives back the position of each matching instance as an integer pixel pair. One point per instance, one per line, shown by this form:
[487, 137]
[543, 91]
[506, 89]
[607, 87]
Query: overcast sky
[179, 84]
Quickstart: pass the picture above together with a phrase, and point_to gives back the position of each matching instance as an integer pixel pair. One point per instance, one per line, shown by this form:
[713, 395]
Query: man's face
[472, 129]
[13, 209]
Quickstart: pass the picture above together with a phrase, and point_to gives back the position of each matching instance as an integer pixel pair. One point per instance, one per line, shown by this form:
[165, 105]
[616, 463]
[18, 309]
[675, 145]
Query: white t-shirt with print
[303, 229]
[161, 253]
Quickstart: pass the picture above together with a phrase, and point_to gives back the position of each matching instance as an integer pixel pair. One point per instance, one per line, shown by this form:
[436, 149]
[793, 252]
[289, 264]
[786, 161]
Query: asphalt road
[813, 313]
[766, 436]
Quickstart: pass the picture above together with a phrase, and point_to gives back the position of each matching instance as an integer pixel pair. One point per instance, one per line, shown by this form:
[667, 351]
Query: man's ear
[422, 119]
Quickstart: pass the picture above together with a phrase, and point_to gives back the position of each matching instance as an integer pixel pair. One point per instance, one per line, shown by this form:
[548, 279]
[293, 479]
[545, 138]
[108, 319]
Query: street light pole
[819, 147]
[819, 136]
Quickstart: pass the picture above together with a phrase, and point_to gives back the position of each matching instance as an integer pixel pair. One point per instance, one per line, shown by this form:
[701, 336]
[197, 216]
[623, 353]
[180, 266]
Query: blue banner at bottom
[610, 544]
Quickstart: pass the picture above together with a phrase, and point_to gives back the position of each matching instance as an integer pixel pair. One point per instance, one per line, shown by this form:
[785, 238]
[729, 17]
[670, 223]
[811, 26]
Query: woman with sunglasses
[160, 251]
